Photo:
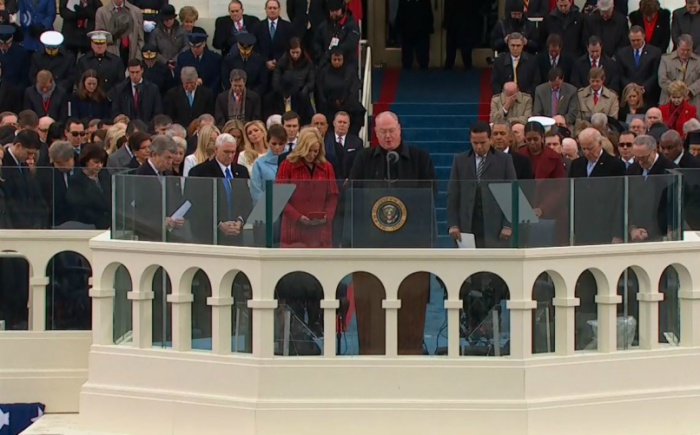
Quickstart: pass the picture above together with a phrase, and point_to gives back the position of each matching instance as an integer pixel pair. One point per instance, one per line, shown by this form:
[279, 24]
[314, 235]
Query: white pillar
[649, 319]
[263, 327]
[392, 308]
[220, 324]
[565, 325]
[520, 328]
[329, 307]
[453, 308]
[690, 318]
[37, 289]
[142, 319]
[607, 322]
[182, 320]
[102, 315]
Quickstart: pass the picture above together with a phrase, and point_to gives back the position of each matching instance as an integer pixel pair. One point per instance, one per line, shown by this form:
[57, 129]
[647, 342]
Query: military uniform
[208, 67]
[61, 65]
[15, 65]
[150, 8]
[109, 68]
[159, 74]
[608, 103]
[253, 65]
[520, 110]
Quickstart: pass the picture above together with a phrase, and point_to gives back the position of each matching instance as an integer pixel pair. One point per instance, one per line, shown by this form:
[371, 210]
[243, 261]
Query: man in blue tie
[639, 63]
[273, 34]
[189, 101]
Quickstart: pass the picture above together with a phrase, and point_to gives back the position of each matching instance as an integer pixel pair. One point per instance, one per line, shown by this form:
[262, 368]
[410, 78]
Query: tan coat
[671, 69]
[608, 103]
[136, 41]
[521, 109]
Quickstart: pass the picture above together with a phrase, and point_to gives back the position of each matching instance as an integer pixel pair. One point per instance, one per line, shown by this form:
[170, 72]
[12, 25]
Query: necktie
[526, 3]
[290, 146]
[645, 173]
[136, 96]
[595, 98]
[554, 62]
[239, 26]
[515, 70]
[636, 57]
[227, 187]
[340, 141]
[684, 67]
[272, 30]
[287, 105]
[480, 168]
[555, 101]
[594, 64]
[65, 178]
[190, 98]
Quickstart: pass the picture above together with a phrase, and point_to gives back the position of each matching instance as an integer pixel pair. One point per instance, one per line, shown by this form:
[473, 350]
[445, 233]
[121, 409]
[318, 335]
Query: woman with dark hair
[294, 67]
[90, 190]
[57, 131]
[89, 101]
[545, 162]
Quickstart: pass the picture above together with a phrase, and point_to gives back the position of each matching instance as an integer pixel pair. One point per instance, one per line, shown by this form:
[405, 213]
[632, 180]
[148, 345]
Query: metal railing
[366, 93]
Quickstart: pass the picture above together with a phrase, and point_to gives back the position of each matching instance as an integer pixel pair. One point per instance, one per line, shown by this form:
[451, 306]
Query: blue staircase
[436, 109]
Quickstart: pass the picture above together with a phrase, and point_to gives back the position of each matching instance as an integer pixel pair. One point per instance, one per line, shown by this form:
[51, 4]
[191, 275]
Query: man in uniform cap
[206, 62]
[14, 58]
[10, 95]
[230, 26]
[109, 66]
[55, 58]
[243, 57]
[341, 32]
[156, 72]
[149, 11]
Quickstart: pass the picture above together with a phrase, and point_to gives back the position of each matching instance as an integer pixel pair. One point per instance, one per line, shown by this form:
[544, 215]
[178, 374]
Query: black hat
[149, 51]
[334, 5]
[615, 125]
[562, 131]
[167, 12]
[7, 33]
[515, 6]
[693, 138]
[197, 37]
[246, 39]
[4, 17]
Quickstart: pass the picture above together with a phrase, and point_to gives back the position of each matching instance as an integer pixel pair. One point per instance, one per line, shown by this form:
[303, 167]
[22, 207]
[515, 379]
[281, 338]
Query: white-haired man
[189, 101]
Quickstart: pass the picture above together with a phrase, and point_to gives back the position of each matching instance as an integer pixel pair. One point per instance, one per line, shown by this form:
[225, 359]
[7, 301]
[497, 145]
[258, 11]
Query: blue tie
[227, 187]
[636, 57]
[190, 98]
[272, 30]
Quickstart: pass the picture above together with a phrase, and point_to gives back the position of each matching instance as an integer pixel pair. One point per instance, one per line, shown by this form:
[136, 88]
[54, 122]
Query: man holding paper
[471, 207]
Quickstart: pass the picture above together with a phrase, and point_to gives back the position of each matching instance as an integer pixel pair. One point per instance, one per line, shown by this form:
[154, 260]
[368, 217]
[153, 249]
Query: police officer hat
[246, 39]
[197, 37]
[149, 51]
[51, 38]
[167, 13]
[7, 33]
[334, 5]
[99, 36]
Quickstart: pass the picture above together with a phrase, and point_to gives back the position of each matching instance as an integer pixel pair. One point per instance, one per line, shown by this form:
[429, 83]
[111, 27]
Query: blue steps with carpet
[436, 109]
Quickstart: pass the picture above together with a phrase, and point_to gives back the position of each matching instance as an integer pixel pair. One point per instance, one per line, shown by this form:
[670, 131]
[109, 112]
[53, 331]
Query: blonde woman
[236, 128]
[678, 110]
[255, 136]
[632, 102]
[307, 219]
[205, 148]
[115, 134]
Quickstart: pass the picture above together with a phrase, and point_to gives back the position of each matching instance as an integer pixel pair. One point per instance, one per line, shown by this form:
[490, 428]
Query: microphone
[391, 157]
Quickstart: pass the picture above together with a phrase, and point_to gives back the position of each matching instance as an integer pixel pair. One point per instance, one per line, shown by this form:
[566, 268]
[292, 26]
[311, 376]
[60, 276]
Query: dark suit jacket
[646, 74]
[661, 35]
[149, 101]
[269, 48]
[10, 97]
[201, 193]
[225, 33]
[649, 198]
[522, 164]
[178, 107]
[528, 73]
[579, 73]
[685, 23]
[149, 214]
[688, 161]
[55, 192]
[296, 10]
[58, 104]
[544, 62]
[613, 32]
[252, 107]
[90, 202]
[468, 200]
[274, 105]
[342, 158]
[25, 205]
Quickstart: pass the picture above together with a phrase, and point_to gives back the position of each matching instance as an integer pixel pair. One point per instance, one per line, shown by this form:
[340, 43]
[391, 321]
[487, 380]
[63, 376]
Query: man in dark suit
[685, 22]
[238, 103]
[471, 207]
[671, 147]
[648, 196]
[502, 139]
[55, 182]
[203, 120]
[639, 63]
[233, 196]
[596, 59]
[601, 224]
[306, 17]
[273, 34]
[136, 97]
[46, 98]
[566, 21]
[651, 12]
[244, 58]
[341, 147]
[515, 66]
[608, 25]
[10, 95]
[515, 21]
[556, 98]
[25, 206]
[229, 26]
[207, 62]
[189, 101]
[288, 99]
[554, 58]
[76, 136]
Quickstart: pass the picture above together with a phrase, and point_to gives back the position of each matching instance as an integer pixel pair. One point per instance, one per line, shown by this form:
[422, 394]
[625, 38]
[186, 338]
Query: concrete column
[263, 327]
[453, 308]
[220, 325]
[182, 321]
[329, 307]
[565, 325]
[37, 296]
[607, 322]
[649, 319]
[392, 308]
[520, 328]
[102, 315]
[690, 318]
[142, 318]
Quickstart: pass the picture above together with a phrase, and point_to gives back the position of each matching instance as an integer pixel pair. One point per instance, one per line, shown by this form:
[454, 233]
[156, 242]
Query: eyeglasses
[44, 130]
[78, 133]
[625, 145]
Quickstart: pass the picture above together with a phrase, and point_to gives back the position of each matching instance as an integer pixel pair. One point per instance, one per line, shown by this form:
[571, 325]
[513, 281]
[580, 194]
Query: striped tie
[480, 169]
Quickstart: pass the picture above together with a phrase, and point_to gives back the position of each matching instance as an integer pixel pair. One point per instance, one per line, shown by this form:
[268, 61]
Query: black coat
[570, 29]
[62, 67]
[522, 165]
[579, 72]
[342, 158]
[330, 79]
[89, 109]
[614, 33]
[274, 105]
[160, 75]
[58, 104]
[91, 201]
[25, 205]
[318, 14]
[646, 74]
[544, 62]
[202, 196]
[109, 67]
[253, 107]
[506, 26]
[177, 107]
[55, 192]
[414, 18]
[149, 214]
[15, 66]
[348, 33]
[303, 74]
[254, 67]
[621, 6]
[208, 67]
[149, 101]
[273, 49]
[10, 97]
[225, 32]
[75, 36]
[649, 198]
[414, 164]
[661, 35]
[528, 73]
[688, 161]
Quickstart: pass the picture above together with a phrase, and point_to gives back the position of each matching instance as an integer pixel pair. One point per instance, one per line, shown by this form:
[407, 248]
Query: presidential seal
[389, 214]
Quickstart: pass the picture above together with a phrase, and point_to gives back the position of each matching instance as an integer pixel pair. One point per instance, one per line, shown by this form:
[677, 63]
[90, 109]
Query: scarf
[46, 96]
[236, 109]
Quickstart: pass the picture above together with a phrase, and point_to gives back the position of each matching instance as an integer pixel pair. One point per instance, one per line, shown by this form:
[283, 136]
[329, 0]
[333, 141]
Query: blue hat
[7, 33]
[197, 38]
[246, 39]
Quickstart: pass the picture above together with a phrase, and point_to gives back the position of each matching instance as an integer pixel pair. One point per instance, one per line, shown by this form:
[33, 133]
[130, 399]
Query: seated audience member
[518, 129]
[671, 147]
[556, 98]
[502, 139]
[294, 67]
[247, 59]
[273, 120]
[639, 63]
[569, 148]
[122, 157]
[511, 104]
[292, 124]
[560, 121]
[137, 98]
[307, 219]
[235, 128]
[656, 21]
[115, 138]
[45, 98]
[89, 101]
[179, 159]
[595, 58]
[156, 72]
[566, 21]
[638, 126]
[632, 102]
[206, 138]
[238, 103]
[624, 147]
[552, 140]
[554, 58]
[341, 146]
[335, 75]
[176, 130]
[515, 21]
[139, 144]
[206, 62]
[339, 100]
[255, 137]
[161, 124]
[515, 66]
[121, 119]
[56, 182]
[678, 110]
[693, 141]
[265, 167]
[75, 134]
[288, 99]
[681, 65]
[189, 101]
[193, 131]
[546, 163]
[655, 123]
[596, 98]
[90, 192]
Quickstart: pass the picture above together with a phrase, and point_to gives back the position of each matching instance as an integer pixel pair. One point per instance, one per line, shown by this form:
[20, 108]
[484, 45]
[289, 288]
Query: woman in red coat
[307, 220]
[677, 111]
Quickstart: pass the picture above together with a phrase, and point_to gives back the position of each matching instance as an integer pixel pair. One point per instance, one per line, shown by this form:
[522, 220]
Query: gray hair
[224, 138]
[691, 125]
[593, 133]
[273, 120]
[515, 35]
[599, 120]
[238, 74]
[189, 73]
[645, 140]
[180, 142]
[673, 137]
[176, 130]
[161, 144]
[685, 39]
[61, 151]
[502, 122]
[206, 117]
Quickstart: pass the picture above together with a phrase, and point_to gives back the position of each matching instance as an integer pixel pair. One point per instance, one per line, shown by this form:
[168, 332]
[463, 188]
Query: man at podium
[392, 195]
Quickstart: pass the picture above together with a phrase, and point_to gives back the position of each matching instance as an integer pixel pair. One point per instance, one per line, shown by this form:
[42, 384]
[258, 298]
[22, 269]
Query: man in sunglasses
[77, 136]
[206, 62]
[624, 147]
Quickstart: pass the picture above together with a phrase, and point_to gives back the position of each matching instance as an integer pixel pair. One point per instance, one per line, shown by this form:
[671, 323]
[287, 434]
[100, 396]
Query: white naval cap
[51, 38]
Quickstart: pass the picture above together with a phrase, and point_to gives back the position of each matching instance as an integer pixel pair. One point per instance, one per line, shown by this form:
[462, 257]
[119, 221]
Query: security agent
[55, 58]
[109, 66]
[14, 58]
[156, 72]
[206, 62]
[340, 31]
[244, 58]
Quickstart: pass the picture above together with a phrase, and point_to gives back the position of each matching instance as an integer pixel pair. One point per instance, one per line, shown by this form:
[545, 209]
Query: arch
[361, 318]
[122, 283]
[160, 284]
[238, 285]
[298, 318]
[15, 272]
[197, 282]
[68, 306]
[547, 286]
[484, 317]
[673, 279]
[422, 318]
[588, 286]
[628, 287]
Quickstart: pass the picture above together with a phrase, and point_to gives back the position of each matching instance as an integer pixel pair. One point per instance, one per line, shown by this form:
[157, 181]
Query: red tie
[239, 26]
[136, 97]
[595, 98]
[595, 63]
[125, 39]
